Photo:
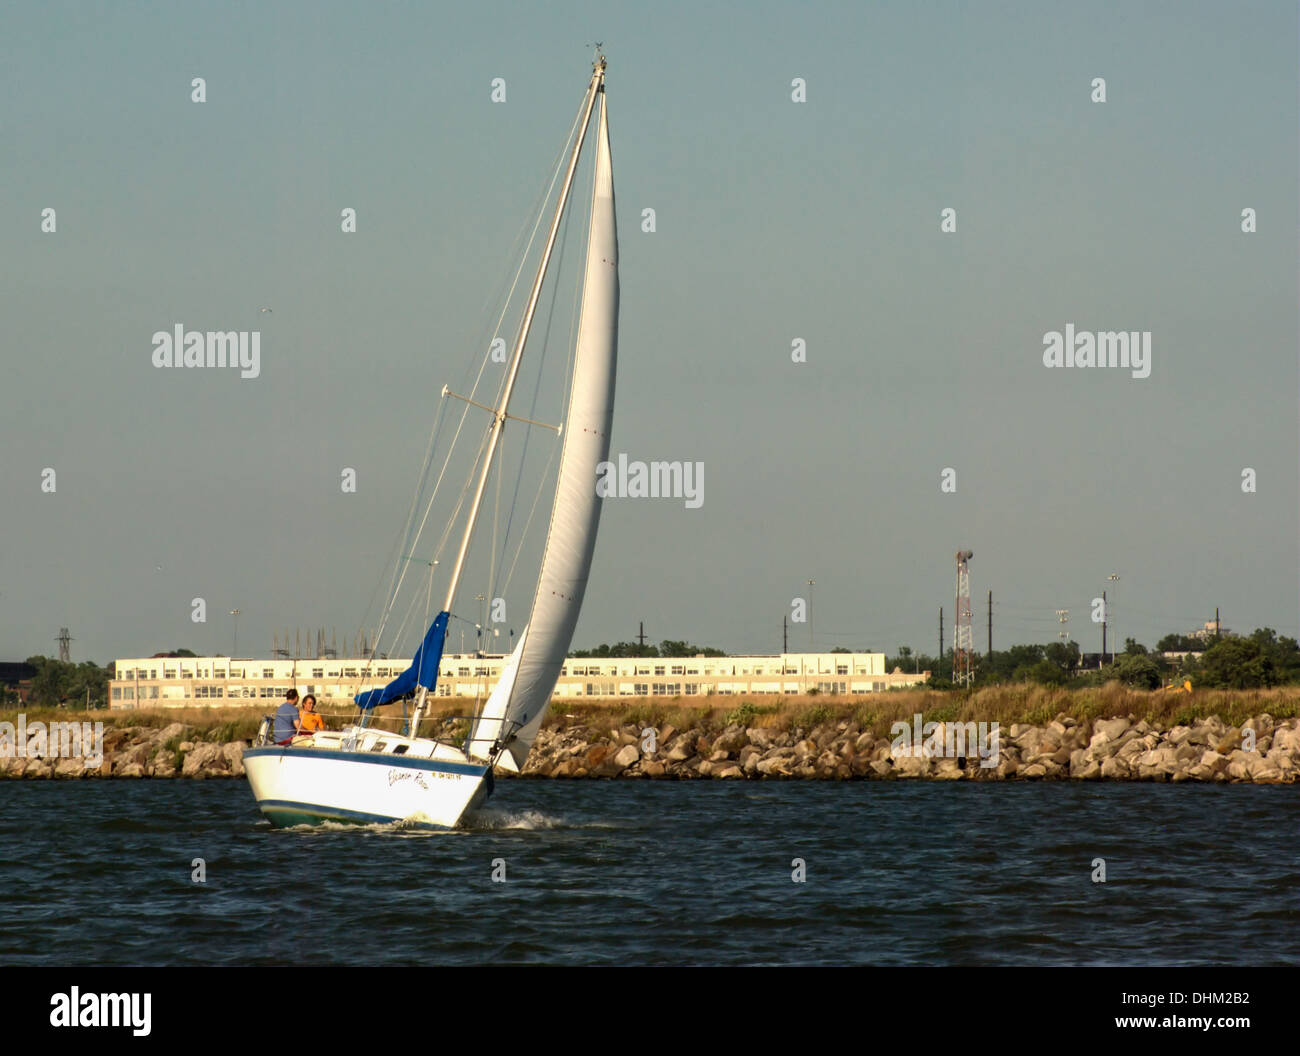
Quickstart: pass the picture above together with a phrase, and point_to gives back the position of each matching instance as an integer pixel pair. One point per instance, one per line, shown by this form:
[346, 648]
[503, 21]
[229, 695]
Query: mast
[499, 414]
[508, 724]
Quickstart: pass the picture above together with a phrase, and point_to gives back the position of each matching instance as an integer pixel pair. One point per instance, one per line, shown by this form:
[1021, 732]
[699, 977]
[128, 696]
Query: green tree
[1140, 672]
[57, 684]
[670, 647]
[1236, 663]
[1045, 671]
[1064, 655]
[1180, 643]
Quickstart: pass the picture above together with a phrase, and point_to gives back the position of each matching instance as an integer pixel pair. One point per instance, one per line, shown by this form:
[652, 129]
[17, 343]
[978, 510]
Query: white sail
[518, 702]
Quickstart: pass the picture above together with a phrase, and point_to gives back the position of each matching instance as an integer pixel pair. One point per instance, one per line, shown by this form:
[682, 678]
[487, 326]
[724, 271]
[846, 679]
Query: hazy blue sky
[775, 220]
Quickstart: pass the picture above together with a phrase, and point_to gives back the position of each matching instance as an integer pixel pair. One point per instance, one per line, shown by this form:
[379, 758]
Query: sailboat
[362, 774]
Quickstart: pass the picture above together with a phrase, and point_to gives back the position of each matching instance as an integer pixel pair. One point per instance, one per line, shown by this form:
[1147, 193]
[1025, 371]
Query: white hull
[306, 784]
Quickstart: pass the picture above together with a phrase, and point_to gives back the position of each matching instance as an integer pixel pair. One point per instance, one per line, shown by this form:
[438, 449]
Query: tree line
[668, 647]
[1260, 659]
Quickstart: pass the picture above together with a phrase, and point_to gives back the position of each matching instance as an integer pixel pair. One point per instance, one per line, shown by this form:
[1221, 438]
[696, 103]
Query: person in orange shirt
[310, 720]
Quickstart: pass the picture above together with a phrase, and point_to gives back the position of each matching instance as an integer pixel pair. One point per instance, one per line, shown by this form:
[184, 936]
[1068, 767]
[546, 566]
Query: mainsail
[515, 708]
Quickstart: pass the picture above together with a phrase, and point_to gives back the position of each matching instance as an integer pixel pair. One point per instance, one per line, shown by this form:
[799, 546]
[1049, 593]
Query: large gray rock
[682, 750]
[625, 757]
[1110, 729]
[205, 758]
[1115, 768]
[732, 740]
[1287, 739]
[168, 733]
[911, 766]
[234, 753]
[70, 768]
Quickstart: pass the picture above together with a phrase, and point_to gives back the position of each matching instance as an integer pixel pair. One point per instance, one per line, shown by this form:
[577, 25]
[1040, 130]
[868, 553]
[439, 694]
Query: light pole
[234, 647]
[811, 644]
[1113, 579]
[478, 627]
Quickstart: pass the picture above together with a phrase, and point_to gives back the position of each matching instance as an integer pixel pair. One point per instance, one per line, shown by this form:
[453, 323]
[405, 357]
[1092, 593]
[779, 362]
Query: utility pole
[940, 637]
[785, 636]
[1216, 623]
[811, 643]
[641, 633]
[990, 624]
[1112, 578]
[1104, 617]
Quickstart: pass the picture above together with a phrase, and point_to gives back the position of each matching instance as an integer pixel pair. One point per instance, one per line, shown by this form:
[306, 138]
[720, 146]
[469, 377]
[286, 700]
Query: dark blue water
[601, 872]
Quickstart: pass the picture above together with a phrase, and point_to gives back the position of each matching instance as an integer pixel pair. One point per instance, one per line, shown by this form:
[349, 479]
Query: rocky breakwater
[1123, 748]
[138, 751]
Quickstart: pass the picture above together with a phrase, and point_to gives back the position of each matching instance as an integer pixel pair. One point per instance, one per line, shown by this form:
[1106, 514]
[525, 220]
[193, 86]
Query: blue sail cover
[422, 672]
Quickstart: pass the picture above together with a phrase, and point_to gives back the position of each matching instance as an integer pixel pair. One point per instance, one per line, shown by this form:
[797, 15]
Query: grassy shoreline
[1028, 703]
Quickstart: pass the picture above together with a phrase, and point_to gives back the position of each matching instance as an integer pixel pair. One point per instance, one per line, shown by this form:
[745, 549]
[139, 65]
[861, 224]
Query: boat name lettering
[395, 776]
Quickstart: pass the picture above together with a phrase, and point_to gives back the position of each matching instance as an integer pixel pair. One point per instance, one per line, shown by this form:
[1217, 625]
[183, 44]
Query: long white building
[221, 681]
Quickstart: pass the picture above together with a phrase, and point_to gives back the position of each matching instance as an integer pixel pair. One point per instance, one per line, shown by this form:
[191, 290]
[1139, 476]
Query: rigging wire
[412, 539]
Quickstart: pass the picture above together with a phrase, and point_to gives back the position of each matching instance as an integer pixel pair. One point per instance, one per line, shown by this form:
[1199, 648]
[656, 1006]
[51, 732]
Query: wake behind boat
[363, 774]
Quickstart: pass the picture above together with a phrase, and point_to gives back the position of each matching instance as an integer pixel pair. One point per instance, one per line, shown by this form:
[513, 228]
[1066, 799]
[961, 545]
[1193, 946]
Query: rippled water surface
[601, 872]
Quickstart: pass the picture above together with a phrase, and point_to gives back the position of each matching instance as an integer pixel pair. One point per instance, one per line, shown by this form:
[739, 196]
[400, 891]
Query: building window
[678, 669]
[117, 692]
[349, 672]
[462, 672]
[841, 669]
[641, 689]
[691, 689]
[659, 669]
[268, 672]
[317, 672]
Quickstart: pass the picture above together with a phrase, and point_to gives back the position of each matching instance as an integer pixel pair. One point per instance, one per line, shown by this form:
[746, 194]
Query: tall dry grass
[1007, 704]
